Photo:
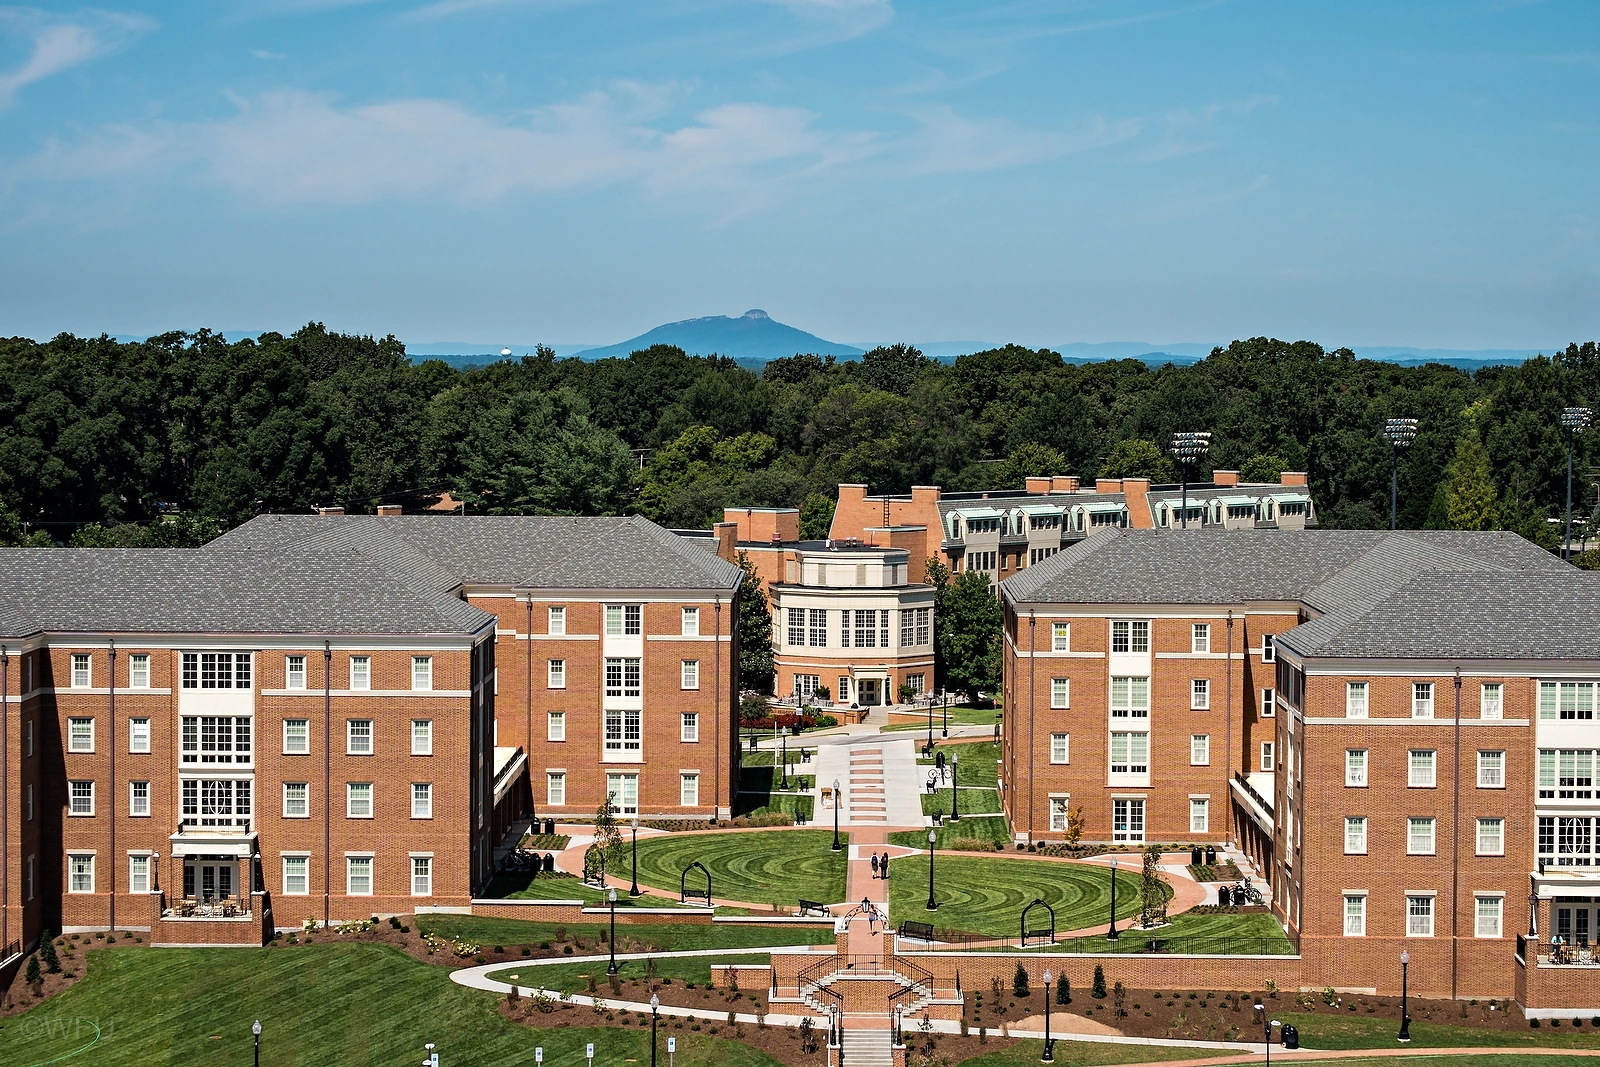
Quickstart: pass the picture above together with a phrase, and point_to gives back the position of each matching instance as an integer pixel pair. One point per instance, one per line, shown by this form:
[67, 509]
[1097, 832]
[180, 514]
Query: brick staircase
[866, 1048]
[867, 797]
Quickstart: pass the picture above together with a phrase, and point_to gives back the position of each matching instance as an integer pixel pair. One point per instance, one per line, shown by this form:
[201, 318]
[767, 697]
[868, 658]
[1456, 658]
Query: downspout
[716, 796]
[111, 731]
[1227, 734]
[327, 779]
[1455, 851]
[533, 803]
[5, 796]
[1032, 785]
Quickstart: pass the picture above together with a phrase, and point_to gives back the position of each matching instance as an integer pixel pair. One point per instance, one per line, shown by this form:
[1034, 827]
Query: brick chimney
[335, 510]
[389, 509]
[1064, 483]
[727, 535]
[1037, 486]
[1225, 477]
[1137, 492]
[1293, 478]
[1108, 485]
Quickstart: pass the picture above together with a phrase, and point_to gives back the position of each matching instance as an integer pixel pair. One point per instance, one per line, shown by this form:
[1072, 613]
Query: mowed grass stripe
[765, 867]
[986, 896]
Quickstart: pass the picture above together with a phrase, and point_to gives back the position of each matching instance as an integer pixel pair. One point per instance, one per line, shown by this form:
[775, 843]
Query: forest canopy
[118, 434]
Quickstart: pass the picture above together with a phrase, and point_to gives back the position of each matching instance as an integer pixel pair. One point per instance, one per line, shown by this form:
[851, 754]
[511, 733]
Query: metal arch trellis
[1043, 935]
[594, 866]
[684, 892]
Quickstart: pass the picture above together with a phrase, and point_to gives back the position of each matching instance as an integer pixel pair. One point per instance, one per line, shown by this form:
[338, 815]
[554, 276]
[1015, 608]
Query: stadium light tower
[1189, 449]
[1399, 433]
[1574, 421]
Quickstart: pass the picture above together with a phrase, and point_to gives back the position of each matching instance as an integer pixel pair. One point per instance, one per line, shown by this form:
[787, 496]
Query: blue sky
[557, 170]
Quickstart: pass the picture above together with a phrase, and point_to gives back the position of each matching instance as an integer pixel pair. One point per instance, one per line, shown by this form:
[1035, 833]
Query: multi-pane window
[1566, 700]
[422, 672]
[1355, 702]
[1491, 837]
[215, 802]
[1422, 768]
[1199, 750]
[422, 876]
[1269, 649]
[1422, 700]
[360, 672]
[80, 872]
[623, 677]
[1199, 694]
[294, 672]
[1420, 835]
[622, 793]
[80, 735]
[689, 789]
[214, 739]
[870, 626]
[555, 788]
[924, 626]
[1491, 769]
[1355, 915]
[1061, 637]
[422, 737]
[555, 726]
[1567, 842]
[1060, 692]
[1267, 756]
[1488, 915]
[139, 735]
[556, 621]
[1130, 636]
[1130, 698]
[689, 726]
[296, 737]
[908, 627]
[1355, 766]
[817, 627]
[624, 620]
[139, 670]
[1566, 773]
[138, 798]
[358, 737]
[1491, 700]
[1060, 749]
[690, 674]
[296, 800]
[358, 876]
[138, 874]
[623, 731]
[1200, 638]
[215, 670]
[1199, 815]
[81, 673]
[1060, 813]
[1419, 916]
[422, 800]
[1269, 703]
[556, 674]
[690, 622]
[1355, 835]
[296, 876]
[1130, 753]
[1127, 819]
[358, 800]
[797, 626]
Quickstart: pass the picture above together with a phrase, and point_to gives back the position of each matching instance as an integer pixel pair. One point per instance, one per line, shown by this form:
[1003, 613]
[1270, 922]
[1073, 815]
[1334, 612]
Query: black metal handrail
[812, 975]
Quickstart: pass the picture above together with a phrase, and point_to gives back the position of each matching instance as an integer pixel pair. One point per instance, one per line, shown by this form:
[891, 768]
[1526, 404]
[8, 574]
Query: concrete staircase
[867, 797]
[867, 1048]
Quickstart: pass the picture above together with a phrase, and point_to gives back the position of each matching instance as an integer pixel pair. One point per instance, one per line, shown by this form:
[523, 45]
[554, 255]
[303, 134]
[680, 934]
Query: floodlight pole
[1399, 433]
[1188, 447]
[1574, 421]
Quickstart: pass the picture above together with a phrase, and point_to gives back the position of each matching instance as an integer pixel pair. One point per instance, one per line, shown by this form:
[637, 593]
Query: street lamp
[1111, 934]
[634, 890]
[785, 783]
[655, 1003]
[1405, 1014]
[1049, 1045]
[433, 1057]
[1189, 448]
[836, 845]
[933, 905]
[930, 729]
[955, 805]
[1399, 433]
[1266, 1027]
[255, 1030]
[944, 731]
[1574, 421]
[611, 897]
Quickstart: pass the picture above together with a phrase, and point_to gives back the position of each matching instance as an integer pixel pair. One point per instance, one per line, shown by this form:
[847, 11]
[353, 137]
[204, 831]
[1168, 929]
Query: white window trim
[366, 678]
[144, 658]
[1353, 709]
[1481, 753]
[412, 872]
[1362, 851]
[689, 674]
[283, 873]
[555, 674]
[1433, 914]
[1066, 749]
[1366, 775]
[1060, 694]
[1344, 917]
[349, 800]
[1199, 694]
[145, 814]
[349, 737]
[1200, 634]
[72, 722]
[349, 872]
[550, 732]
[429, 749]
[93, 871]
[417, 661]
[289, 677]
[429, 813]
[93, 799]
[1489, 894]
[685, 730]
[285, 800]
[1433, 838]
[556, 620]
[88, 671]
[1433, 769]
[689, 622]
[133, 748]
[1477, 835]
[1205, 741]
[549, 780]
[683, 780]
[287, 751]
[133, 855]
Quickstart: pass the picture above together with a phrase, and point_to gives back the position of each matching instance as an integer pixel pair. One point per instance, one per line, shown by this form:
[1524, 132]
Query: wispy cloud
[60, 42]
[439, 9]
[262, 53]
[1188, 132]
[949, 143]
[851, 18]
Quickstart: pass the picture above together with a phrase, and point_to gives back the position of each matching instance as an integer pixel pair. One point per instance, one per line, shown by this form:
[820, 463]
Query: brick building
[1390, 725]
[302, 719]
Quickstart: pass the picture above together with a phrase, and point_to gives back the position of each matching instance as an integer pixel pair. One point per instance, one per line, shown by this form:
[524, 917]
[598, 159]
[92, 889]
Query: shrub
[1019, 982]
[1099, 990]
[47, 953]
[1063, 989]
[32, 976]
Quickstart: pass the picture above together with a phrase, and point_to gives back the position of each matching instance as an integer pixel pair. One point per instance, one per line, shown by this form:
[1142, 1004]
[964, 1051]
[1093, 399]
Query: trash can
[1211, 856]
[1195, 855]
[1291, 1036]
[549, 863]
[549, 826]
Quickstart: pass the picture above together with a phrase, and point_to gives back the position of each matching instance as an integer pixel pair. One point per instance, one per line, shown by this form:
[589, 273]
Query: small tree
[906, 693]
[1099, 990]
[47, 953]
[1119, 1000]
[607, 835]
[808, 1035]
[1063, 989]
[1019, 982]
[1152, 889]
[1075, 823]
[32, 975]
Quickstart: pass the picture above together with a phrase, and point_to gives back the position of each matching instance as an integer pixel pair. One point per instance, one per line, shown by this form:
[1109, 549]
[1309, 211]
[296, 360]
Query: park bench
[917, 931]
[808, 907]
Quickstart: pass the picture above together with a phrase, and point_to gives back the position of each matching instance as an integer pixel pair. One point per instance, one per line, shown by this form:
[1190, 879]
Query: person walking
[874, 865]
[884, 866]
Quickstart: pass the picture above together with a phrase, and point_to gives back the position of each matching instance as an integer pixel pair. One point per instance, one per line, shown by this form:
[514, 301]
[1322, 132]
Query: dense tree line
[94, 431]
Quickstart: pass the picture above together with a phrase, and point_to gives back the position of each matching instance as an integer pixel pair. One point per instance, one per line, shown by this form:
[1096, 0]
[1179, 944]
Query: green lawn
[978, 761]
[958, 717]
[1502, 1059]
[1082, 1054]
[1330, 1029]
[340, 1005]
[1249, 934]
[769, 867]
[986, 896]
[574, 977]
[764, 803]
[509, 886]
[988, 828]
[972, 799]
[665, 937]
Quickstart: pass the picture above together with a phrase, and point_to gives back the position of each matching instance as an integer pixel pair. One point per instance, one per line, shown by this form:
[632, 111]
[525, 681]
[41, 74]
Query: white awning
[1041, 509]
[201, 843]
[980, 513]
[1104, 505]
[1238, 501]
[508, 774]
[1292, 498]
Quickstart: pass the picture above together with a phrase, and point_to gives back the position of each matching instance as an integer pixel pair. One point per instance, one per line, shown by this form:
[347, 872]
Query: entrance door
[869, 692]
[210, 880]
[1576, 924]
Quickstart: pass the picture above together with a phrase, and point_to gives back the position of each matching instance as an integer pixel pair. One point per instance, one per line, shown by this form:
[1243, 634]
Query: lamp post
[1405, 1015]
[1189, 448]
[633, 891]
[1111, 934]
[933, 905]
[1399, 433]
[785, 783]
[433, 1057]
[1049, 1045]
[955, 805]
[255, 1030]
[930, 729]
[836, 802]
[655, 1003]
[1574, 421]
[944, 731]
[611, 897]
[1266, 1027]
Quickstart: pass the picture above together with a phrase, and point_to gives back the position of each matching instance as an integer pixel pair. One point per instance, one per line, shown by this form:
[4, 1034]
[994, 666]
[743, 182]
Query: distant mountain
[753, 335]
[487, 353]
